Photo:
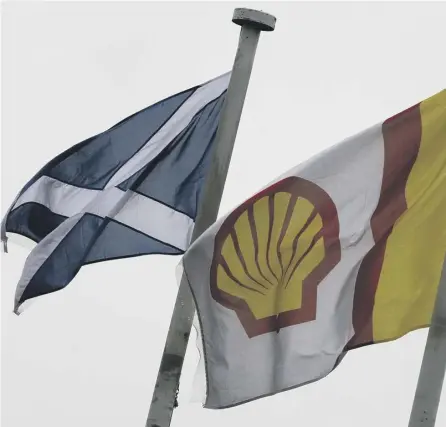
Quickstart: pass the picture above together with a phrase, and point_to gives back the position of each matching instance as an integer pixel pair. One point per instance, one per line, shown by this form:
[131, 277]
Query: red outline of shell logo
[272, 252]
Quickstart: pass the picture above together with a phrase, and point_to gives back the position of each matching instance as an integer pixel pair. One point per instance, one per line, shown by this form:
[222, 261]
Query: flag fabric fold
[131, 190]
[342, 251]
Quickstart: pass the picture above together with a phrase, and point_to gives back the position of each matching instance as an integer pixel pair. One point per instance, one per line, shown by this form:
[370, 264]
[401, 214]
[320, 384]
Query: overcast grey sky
[89, 355]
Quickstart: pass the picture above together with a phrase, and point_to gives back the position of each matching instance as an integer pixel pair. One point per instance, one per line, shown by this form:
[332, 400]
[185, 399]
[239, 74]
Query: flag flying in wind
[131, 190]
[342, 251]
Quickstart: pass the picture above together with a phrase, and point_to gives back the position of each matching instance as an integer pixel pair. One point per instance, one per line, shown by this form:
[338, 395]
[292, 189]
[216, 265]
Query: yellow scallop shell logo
[272, 252]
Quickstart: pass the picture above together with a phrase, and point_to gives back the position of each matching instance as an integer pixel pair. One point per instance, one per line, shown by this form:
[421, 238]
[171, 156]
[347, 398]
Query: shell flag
[343, 251]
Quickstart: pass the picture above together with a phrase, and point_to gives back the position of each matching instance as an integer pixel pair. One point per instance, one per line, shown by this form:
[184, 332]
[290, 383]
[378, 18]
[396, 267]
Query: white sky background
[88, 356]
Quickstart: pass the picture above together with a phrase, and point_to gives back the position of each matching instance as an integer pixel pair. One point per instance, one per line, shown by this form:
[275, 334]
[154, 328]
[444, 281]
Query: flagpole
[433, 366]
[164, 398]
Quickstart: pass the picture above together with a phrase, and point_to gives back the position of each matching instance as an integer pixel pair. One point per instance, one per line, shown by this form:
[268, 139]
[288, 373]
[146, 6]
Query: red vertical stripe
[402, 137]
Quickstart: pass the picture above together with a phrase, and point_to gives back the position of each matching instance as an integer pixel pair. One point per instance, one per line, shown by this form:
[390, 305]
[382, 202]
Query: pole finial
[260, 20]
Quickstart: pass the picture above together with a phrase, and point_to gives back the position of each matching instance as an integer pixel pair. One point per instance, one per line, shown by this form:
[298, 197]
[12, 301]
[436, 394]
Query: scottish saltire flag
[131, 190]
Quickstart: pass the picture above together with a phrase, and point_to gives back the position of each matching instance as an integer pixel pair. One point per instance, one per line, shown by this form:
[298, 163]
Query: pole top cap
[260, 20]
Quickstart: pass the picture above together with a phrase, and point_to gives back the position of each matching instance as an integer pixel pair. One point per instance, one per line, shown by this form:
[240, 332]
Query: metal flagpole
[164, 398]
[433, 366]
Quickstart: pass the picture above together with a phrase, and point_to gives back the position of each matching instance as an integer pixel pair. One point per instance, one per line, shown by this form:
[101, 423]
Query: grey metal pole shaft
[252, 22]
[433, 366]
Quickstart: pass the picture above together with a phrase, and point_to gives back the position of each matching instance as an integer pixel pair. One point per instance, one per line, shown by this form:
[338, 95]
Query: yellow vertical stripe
[416, 248]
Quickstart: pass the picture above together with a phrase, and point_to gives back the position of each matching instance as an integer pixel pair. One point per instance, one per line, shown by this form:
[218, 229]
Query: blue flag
[131, 190]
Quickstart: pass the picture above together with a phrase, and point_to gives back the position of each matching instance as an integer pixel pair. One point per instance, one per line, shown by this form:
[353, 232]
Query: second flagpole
[252, 22]
[433, 367]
